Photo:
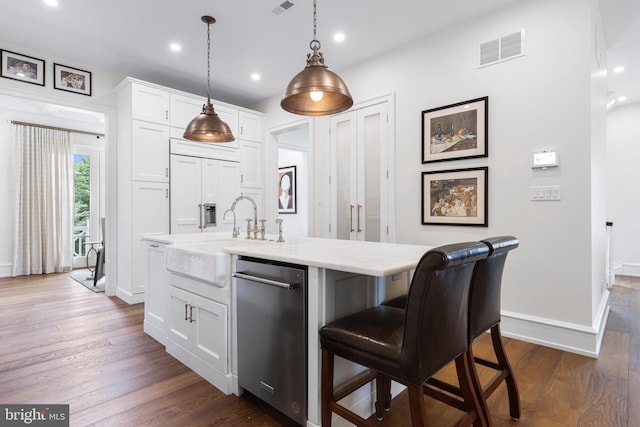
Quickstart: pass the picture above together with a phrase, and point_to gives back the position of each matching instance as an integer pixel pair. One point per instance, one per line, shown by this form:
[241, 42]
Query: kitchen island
[342, 277]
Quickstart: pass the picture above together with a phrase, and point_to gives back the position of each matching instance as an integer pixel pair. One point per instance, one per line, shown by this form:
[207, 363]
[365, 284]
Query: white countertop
[368, 258]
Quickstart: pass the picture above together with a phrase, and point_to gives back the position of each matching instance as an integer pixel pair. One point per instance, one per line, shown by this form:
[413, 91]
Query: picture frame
[456, 131]
[287, 193]
[23, 68]
[456, 197]
[71, 79]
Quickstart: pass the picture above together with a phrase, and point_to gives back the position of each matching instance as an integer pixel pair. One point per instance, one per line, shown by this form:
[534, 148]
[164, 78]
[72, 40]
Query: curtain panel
[44, 201]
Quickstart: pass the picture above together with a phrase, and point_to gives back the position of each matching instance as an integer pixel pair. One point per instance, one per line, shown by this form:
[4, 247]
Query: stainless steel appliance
[272, 339]
[207, 215]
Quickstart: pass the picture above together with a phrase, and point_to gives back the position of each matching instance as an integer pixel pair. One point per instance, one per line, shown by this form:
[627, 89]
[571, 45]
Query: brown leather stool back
[484, 296]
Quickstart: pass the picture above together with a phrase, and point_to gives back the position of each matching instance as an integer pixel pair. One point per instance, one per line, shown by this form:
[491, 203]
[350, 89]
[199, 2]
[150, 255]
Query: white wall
[623, 176]
[30, 103]
[540, 101]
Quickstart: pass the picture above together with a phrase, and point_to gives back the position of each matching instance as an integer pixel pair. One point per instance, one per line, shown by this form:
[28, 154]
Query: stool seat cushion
[378, 331]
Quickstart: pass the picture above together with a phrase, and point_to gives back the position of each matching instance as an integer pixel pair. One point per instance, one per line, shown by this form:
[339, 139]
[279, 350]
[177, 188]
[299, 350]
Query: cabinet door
[179, 328]
[250, 126]
[229, 185]
[359, 140]
[149, 152]
[211, 182]
[184, 109]
[155, 303]
[150, 215]
[149, 104]
[186, 194]
[210, 332]
[250, 164]
[230, 117]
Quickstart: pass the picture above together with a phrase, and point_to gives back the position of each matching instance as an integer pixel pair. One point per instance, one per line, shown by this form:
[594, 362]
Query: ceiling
[133, 37]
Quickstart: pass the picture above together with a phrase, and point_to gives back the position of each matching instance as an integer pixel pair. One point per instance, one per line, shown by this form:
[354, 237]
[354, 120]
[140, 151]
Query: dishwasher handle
[289, 286]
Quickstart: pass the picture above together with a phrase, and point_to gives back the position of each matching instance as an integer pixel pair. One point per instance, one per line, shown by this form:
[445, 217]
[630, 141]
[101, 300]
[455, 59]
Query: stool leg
[383, 395]
[471, 399]
[477, 388]
[503, 361]
[326, 387]
[417, 406]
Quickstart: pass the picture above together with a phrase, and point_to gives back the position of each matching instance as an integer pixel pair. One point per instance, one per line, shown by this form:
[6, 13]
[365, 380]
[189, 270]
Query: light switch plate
[548, 192]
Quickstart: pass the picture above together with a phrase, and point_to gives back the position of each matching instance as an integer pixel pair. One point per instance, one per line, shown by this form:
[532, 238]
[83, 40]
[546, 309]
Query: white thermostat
[544, 159]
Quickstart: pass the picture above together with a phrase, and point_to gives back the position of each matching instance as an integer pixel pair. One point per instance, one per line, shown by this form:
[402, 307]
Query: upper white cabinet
[149, 151]
[251, 164]
[250, 126]
[149, 103]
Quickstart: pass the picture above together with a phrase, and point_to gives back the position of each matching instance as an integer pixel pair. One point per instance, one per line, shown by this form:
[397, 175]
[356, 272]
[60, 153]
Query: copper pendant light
[316, 90]
[208, 126]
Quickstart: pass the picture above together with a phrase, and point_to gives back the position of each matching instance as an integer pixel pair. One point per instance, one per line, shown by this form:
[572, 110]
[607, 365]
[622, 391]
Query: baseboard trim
[560, 335]
[5, 270]
[628, 269]
[128, 297]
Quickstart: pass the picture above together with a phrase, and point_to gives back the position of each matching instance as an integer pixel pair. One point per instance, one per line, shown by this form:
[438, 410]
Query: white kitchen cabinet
[150, 207]
[151, 122]
[149, 151]
[142, 180]
[196, 182]
[251, 161]
[250, 126]
[149, 103]
[156, 296]
[197, 333]
[359, 146]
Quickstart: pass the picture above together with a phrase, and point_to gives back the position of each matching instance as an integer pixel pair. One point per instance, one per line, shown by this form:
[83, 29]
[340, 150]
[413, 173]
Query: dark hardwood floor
[61, 343]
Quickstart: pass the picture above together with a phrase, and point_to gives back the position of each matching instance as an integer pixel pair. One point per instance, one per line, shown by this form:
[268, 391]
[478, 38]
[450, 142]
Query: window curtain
[43, 201]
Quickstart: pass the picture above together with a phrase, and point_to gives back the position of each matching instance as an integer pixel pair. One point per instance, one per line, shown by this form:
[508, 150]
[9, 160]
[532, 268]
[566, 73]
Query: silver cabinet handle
[289, 286]
[201, 215]
[191, 314]
[186, 315]
[359, 229]
[351, 217]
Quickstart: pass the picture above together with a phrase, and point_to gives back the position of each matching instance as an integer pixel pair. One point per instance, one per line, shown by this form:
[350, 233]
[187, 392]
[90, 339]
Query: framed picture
[71, 79]
[21, 67]
[457, 131]
[287, 190]
[455, 197]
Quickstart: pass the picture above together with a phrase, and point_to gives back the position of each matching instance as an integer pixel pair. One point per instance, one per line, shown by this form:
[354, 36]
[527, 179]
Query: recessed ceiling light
[618, 69]
[339, 37]
[175, 47]
[255, 77]
[622, 98]
[52, 3]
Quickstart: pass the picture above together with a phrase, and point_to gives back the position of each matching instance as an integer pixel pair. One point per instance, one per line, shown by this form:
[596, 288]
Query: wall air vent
[501, 49]
[282, 7]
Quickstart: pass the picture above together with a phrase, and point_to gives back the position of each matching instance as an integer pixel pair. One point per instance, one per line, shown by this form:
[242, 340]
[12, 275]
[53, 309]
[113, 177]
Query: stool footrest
[354, 383]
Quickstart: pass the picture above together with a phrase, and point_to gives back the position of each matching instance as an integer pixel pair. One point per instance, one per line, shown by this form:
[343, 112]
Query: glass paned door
[86, 217]
[359, 140]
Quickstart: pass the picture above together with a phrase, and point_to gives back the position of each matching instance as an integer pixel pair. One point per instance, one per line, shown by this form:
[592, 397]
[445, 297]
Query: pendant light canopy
[316, 90]
[208, 126]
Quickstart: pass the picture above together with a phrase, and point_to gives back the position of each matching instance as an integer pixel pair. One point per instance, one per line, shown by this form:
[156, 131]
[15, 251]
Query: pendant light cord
[315, 16]
[209, 63]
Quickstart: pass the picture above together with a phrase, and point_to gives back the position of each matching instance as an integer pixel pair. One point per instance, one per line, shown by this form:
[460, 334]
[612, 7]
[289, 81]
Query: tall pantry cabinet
[142, 180]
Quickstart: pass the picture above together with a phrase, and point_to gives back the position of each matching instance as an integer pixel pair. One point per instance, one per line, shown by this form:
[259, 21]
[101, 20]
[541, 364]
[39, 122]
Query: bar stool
[409, 346]
[484, 315]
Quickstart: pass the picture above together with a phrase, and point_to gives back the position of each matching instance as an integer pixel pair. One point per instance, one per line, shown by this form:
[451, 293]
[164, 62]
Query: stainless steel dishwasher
[272, 340]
